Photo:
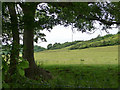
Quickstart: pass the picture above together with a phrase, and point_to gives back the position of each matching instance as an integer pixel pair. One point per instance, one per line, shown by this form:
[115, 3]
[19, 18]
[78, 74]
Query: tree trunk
[15, 34]
[28, 42]
[28, 47]
[28, 38]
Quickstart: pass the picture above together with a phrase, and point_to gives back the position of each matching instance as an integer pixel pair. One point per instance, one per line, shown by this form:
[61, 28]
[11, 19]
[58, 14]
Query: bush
[38, 48]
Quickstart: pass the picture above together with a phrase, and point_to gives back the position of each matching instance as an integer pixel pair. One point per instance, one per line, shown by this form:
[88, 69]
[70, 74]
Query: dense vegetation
[59, 46]
[107, 40]
[6, 48]
[38, 48]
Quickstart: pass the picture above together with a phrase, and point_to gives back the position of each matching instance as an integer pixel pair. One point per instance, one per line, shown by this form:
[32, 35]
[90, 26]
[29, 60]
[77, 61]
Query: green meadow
[95, 67]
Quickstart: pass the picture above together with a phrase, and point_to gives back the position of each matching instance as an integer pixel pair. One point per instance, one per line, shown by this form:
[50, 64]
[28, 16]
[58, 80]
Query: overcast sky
[61, 34]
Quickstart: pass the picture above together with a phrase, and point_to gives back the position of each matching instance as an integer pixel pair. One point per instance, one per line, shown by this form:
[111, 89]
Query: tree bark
[28, 38]
[15, 34]
[28, 52]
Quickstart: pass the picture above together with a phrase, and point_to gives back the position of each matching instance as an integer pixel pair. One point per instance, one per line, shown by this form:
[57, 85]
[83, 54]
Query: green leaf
[21, 72]
[4, 66]
[5, 85]
[24, 64]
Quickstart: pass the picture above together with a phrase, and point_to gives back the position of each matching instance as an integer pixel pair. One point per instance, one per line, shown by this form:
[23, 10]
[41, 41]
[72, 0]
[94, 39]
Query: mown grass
[84, 68]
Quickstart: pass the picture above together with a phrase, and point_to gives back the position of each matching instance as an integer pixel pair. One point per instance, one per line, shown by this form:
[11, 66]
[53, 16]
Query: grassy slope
[98, 70]
[99, 55]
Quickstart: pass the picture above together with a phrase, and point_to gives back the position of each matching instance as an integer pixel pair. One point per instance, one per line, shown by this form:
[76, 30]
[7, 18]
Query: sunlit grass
[99, 55]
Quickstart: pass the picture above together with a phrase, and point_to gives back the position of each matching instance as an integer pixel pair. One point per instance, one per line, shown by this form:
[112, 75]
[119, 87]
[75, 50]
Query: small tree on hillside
[49, 46]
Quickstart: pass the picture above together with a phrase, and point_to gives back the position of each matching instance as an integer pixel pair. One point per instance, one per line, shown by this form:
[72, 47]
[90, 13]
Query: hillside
[97, 55]
[107, 40]
[99, 41]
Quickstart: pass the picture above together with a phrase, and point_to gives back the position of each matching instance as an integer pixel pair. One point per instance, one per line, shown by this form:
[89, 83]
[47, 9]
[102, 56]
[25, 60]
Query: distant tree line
[99, 41]
[59, 45]
[38, 48]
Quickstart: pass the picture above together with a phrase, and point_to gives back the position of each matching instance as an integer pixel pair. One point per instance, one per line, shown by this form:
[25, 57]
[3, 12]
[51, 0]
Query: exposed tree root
[37, 73]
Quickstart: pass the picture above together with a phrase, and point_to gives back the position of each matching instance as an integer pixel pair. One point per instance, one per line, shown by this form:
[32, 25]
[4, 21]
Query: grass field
[83, 68]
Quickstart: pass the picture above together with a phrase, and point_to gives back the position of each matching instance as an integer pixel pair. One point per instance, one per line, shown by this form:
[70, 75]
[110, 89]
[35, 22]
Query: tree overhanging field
[25, 21]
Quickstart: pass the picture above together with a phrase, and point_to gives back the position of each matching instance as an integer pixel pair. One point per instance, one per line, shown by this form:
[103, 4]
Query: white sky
[61, 34]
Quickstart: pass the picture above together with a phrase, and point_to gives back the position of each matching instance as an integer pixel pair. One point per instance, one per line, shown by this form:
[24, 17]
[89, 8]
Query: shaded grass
[84, 76]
